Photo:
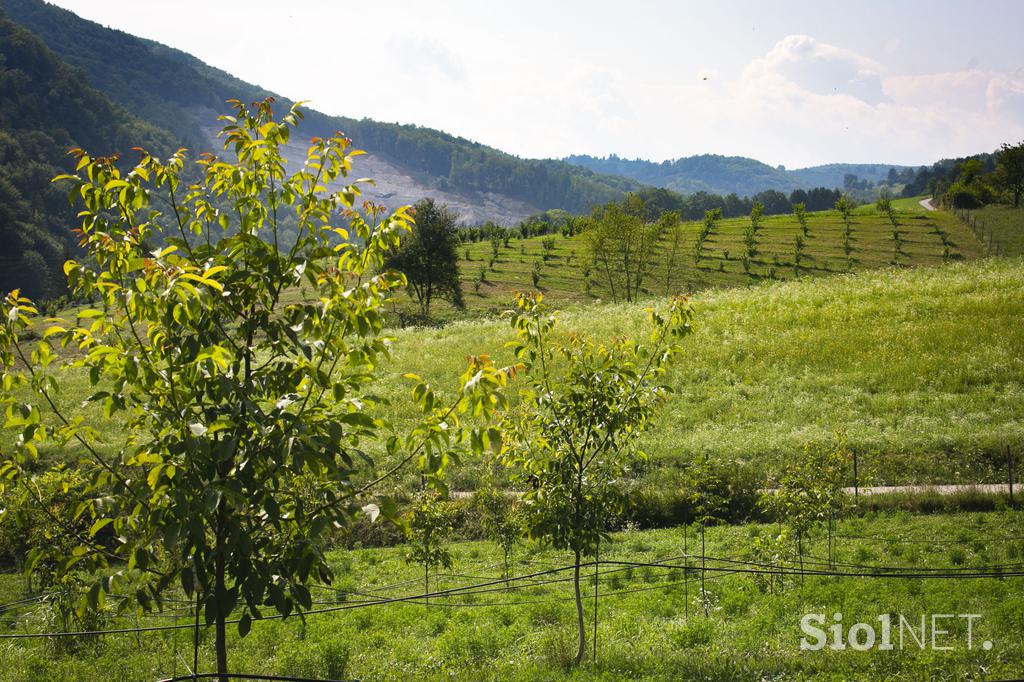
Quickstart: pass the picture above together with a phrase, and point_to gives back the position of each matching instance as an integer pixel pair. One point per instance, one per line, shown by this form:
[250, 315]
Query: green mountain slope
[175, 90]
[730, 174]
[47, 107]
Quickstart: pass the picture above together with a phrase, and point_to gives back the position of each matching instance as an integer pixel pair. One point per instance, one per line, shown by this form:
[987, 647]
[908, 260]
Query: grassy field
[1006, 225]
[651, 626]
[488, 285]
[912, 204]
[922, 369]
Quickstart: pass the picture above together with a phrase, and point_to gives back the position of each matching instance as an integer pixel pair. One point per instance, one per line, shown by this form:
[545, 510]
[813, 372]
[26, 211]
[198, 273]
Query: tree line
[973, 181]
[46, 107]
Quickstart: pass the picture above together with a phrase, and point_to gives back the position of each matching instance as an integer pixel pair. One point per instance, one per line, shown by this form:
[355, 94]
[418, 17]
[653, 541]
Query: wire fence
[983, 232]
[662, 573]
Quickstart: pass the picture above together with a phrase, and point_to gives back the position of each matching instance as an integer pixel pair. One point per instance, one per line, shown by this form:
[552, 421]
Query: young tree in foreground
[429, 257]
[428, 526]
[501, 517]
[575, 429]
[237, 376]
[810, 492]
[709, 502]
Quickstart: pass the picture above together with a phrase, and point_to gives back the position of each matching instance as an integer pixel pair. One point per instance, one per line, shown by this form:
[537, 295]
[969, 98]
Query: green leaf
[99, 525]
[244, 624]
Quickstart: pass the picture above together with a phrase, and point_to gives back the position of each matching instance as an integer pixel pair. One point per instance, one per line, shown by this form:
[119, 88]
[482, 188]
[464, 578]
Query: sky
[788, 83]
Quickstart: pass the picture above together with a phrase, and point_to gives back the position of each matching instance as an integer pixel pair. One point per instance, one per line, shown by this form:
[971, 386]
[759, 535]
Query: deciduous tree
[575, 430]
[428, 527]
[1010, 170]
[622, 243]
[237, 376]
[429, 258]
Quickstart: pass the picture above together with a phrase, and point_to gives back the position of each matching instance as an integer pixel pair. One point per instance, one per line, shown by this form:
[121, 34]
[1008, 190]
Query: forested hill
[176, 91]
[47, 107]
[730, 174]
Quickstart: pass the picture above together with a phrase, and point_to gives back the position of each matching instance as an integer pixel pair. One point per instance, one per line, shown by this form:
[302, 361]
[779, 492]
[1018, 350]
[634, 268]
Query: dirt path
[927, 203]
[984, 488]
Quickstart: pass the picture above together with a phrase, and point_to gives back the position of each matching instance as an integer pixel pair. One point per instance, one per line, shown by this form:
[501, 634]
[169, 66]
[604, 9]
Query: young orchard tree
[429, 257]
[535, 273]
[501, 517]
[709, 503]
[548, 244]
[798, 252]
[428, 527]
[800, 213]
[711, 218]
[623, 243]
[810, 492]
[845, 208]
[750, 241]
[771, 551]
[236, 376]
[675, 244]
[756, 216]
[575, 429]
[884, 205]
[39, 514]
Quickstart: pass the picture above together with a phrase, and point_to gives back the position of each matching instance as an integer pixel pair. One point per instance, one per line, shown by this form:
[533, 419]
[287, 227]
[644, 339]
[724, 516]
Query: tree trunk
[426, 584]
[579, 612]
[597, 575]
[703, 592]
[800, 555]
[221, 630]
[830, 565]
[611, 277]
[686, 572]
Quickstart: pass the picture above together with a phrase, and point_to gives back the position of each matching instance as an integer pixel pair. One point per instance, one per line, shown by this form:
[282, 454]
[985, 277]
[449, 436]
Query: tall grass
[1006, 225]
[921, 369]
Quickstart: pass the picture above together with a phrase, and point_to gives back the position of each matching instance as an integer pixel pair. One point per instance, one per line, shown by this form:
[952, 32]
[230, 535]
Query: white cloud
[599, 91]
[811, 102]
[962, 90]
[820, 68]
[420, 54]
[1005, 94]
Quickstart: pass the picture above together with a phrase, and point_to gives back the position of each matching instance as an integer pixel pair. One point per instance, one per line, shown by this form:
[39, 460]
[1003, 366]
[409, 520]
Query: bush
[665, 508]
[974, 195]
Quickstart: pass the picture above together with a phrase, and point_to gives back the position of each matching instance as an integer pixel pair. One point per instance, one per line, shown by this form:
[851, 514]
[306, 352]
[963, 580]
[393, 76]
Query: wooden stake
[1009, 467]
[597, 566]
[856, 489]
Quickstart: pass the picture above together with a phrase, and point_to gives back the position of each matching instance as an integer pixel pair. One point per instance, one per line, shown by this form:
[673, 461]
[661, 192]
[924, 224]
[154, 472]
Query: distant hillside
[566, 273]
[46, 107]
[832, 174]
[176, 91]
[730, 174]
